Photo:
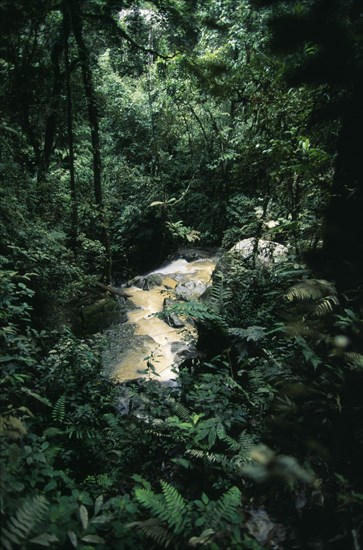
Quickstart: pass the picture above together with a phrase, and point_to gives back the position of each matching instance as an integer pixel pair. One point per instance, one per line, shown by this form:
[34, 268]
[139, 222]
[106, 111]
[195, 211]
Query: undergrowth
[259, 446]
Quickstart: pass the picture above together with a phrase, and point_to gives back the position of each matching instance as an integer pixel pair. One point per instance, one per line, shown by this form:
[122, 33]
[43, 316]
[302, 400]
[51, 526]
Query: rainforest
[181, 272]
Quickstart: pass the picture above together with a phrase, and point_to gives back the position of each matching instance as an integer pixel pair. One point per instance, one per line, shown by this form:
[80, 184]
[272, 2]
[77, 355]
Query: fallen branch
[113, 290]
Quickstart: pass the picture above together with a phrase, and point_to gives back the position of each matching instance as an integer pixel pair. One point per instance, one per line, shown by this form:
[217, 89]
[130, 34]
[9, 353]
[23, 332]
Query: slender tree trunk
[52, 120]
[95, 134]
[72, 175]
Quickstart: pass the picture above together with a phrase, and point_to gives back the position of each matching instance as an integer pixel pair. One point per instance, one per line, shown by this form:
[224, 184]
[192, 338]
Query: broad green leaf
[93, 538]
[73, 538]
[98, 504]
[83, 514]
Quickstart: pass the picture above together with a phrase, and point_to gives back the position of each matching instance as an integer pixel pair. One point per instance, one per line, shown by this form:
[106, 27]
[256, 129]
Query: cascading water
[145, 337]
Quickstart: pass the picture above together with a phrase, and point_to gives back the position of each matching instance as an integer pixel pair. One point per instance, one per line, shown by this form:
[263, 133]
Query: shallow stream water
[145, 338]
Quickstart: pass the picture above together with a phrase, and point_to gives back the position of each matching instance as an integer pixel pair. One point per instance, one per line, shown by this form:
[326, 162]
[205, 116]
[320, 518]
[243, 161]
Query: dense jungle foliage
[130, 129]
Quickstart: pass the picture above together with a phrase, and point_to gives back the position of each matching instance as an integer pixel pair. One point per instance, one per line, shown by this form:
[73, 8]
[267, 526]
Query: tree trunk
[52, 120]
[95, 139]
[72, 178]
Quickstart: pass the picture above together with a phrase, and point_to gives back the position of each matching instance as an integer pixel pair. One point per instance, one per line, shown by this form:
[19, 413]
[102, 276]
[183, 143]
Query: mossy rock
[101, 315]
[146, 282]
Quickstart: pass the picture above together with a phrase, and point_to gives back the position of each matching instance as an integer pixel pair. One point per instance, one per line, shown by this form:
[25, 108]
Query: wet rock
[183, 352]
[169, 283]
[136, 397]
[241, 257]
[268, 252]
[195, 253]
[172, 319]
[146, 282]
[190, 290]
[132, 400]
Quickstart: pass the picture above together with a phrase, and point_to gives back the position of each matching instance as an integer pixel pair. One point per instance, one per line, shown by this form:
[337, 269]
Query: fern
[217, 291]
[195, 310]
[226, 508]
[175, 505]
[242, 447]
[325, 306]
[115, 429]
[354, 359]
[21, 528]
[210, 458]
[151, 501]
[170, 511]
[153, 529]
[182, 412]
[310, 289]
[251, 334]
[59, 410]
[220, 293]
[52, 432]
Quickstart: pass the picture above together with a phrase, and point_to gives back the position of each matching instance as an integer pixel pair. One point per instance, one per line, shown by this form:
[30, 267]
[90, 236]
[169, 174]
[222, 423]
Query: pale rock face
[269, 252]
[191, 290]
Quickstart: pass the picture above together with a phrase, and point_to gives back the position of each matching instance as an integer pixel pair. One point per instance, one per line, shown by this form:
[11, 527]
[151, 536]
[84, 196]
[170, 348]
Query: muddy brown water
[145, 338]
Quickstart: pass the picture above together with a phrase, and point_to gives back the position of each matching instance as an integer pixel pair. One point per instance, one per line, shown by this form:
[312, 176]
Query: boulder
[172, 319]
[169, 283]
[146, 282]
[191, 254]
[268, 252]
[190, 290]
[184, 351]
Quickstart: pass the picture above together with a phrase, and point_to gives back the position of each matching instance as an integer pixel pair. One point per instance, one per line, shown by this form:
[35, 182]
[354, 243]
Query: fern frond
[354, 359]
[209, 458]
[59, 409]
[152, 528]
[219, 293]
[227, 506]
[196, 311]
[151, 501]
[233, 445]
[246, 441]
[242, 447]
[325, 306]
[52, 432]
[310, 289]
[21, 526]
[164, 435]
[182, 412]
[225, 510]
[175, 505]
[252, 333]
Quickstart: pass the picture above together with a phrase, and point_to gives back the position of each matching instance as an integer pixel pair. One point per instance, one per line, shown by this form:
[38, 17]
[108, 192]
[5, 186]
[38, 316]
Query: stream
[145, 338]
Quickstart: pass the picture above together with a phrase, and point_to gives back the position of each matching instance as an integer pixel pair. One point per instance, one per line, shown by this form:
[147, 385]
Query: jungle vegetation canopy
[130, 130]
